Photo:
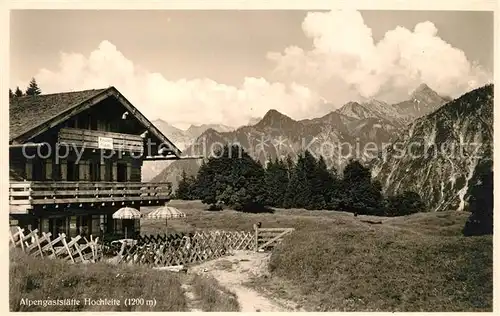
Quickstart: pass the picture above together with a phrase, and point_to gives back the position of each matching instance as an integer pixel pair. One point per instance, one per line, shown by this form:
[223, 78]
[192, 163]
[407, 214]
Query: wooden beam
[141, 118]
[160, 157]
[273, 239]
[94, 200]
[88, 192]
[78, 132]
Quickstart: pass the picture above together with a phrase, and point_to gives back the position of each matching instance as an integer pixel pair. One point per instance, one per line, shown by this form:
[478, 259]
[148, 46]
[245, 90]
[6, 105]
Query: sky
[226, 67]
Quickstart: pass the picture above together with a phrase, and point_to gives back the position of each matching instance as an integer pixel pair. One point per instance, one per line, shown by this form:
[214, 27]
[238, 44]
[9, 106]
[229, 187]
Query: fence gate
[267, 238]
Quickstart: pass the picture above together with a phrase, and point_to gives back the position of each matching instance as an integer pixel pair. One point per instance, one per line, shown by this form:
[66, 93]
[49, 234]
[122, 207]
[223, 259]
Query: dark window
[95, 171]
[83, 121]
[108, 172]
[38, 170]
[121, 172]
[93, 123]
[73, 171]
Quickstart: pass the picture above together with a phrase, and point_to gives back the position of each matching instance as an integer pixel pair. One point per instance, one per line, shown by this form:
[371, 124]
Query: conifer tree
[480, 221]
[289, 200]
[334, 190]
[321, 184]
[11, 94]
[299, 191]
[234, 179]
[18, 92]
[33, 88]
[185, 190]
[360, 194]
[276, 182]
[313, 197]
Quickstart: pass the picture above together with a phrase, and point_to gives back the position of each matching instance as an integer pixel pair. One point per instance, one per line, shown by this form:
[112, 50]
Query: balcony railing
[101, 140]
[26, 195]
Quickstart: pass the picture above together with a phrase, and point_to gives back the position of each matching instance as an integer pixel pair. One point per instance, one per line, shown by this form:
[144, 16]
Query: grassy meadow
[337, 262]
[45, 279]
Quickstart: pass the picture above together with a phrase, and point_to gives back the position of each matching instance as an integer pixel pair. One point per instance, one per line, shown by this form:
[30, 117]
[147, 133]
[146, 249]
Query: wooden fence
[152, 250]
[192, 248]
[267, 238]
[75, 249]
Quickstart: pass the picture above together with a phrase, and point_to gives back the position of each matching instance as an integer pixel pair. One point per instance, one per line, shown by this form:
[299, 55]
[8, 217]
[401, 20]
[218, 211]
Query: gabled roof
[27, 112]
[31, 115]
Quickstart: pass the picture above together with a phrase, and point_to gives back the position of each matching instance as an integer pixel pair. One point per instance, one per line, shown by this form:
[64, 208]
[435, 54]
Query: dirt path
[191, 300]
[232, 271]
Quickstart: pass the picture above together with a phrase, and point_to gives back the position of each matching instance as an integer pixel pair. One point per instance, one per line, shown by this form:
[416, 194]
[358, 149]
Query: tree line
[32, 89]
[246, 185]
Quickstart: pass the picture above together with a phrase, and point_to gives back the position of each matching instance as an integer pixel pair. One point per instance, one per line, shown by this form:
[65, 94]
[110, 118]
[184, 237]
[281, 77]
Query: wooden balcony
[101, 140]
[24, 196]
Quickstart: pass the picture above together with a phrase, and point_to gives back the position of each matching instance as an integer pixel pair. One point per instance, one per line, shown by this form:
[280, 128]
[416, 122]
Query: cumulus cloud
[345, 63]
[180, 102]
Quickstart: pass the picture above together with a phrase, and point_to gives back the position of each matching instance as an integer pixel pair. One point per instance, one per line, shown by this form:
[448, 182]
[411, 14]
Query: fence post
[256, 247]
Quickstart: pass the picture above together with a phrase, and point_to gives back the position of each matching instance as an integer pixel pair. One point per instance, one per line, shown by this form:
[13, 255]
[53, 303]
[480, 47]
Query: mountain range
[439, 155]
[181, 138]
[355, 130]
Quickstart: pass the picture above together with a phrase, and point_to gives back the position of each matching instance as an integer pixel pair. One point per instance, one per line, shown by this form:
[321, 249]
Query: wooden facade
[81, 161]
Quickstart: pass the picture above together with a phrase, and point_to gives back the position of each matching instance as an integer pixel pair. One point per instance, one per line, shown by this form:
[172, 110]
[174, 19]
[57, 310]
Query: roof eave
[89, 102]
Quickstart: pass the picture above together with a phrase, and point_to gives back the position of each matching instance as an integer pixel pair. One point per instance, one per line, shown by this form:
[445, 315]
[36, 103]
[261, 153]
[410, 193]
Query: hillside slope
[334, 261]
[438, 155]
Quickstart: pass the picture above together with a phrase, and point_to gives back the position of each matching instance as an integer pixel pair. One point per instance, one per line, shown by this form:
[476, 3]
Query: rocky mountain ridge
[439, 155]
[181, 138]
[349, 129]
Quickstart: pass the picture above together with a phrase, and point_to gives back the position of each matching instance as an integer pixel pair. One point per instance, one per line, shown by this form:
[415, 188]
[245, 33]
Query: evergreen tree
[209, 182]
[314, 197]
[290, 166]
[276, 182]
[480, 221]
[289, 201]
[18, 92]
[11, 94]
[334, 190]
[299, 190]
[235, 180]
[359, 194]
[185, 190]
[33, 88]
[321, 186]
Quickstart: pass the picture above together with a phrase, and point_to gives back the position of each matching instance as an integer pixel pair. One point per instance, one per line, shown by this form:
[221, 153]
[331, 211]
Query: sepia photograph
[322, 160]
